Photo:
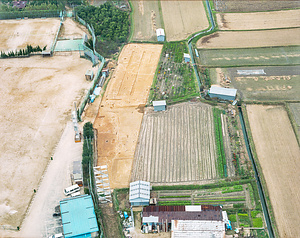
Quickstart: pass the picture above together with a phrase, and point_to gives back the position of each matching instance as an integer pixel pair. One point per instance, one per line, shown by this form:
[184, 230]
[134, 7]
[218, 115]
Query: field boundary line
[293, 122]
[161, 16]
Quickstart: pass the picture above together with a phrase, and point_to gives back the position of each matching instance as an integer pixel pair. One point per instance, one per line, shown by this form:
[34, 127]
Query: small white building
[159, 105]
[160, 33]
[139, 193]
[187, 58]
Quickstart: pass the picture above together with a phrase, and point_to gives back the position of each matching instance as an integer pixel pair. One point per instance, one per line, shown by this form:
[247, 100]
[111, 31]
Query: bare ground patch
[119, 118]
[36, 101]
[16, 34]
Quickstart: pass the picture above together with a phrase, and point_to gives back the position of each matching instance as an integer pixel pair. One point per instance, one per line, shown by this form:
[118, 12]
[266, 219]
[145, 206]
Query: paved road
[39, 221]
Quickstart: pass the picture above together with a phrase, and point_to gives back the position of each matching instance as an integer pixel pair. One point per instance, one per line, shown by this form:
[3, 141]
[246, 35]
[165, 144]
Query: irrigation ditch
[246, 139]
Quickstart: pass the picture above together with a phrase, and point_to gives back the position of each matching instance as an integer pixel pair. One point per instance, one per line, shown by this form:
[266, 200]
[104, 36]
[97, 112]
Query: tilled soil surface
[177, 145]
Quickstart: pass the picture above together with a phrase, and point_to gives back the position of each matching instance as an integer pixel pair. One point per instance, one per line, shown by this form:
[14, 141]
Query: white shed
[139, 193]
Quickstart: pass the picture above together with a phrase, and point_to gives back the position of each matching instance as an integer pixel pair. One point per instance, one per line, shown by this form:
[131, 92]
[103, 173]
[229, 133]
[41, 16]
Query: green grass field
[289, 55]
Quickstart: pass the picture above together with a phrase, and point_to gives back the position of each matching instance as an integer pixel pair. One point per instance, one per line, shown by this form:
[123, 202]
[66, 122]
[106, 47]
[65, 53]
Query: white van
[72, 189]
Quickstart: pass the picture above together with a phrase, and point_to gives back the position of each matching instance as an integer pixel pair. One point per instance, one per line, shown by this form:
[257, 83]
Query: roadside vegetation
[110, 24]
[175, 79]
[87, 153]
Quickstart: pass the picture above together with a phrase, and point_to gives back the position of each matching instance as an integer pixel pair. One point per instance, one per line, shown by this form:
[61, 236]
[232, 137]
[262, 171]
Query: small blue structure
[159, 105]
[196, 52]
[160, 33]
[222, 93]
[78, 217]
[139, 193]
[187, 58]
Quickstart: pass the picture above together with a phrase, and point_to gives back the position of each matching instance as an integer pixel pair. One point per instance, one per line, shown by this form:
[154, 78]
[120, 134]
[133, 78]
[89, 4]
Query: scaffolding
[102, 184]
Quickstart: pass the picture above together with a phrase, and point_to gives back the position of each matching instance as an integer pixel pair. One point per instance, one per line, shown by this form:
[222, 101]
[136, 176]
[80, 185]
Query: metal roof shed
[160, 33]
[159, 105]
[139, 193]
[187, 58]
[78, 217]
[222, 93]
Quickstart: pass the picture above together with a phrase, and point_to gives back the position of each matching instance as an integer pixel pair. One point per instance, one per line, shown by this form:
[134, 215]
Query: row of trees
[87, 153]
[22, 52]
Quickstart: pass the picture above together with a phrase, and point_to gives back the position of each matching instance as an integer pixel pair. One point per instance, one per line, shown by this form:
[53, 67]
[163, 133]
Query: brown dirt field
[119, 118]
[258, 20]
[278, 154]
[36, 102]
[72, 29]
[16, 34]
[182, 18]
[248, 39]
[146, 20]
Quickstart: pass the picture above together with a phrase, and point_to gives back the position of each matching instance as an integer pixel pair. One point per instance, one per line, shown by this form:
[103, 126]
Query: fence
[30, 14]
[96, 55]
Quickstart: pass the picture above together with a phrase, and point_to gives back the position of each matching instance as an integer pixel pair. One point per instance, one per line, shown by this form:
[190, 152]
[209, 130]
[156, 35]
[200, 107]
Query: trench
[257, 177]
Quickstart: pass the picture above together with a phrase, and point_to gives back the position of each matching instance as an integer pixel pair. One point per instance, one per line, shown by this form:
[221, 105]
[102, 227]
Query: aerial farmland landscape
[150, 118]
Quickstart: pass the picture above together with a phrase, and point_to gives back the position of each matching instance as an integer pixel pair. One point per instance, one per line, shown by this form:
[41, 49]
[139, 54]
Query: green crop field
[175, 79]
[289, 55]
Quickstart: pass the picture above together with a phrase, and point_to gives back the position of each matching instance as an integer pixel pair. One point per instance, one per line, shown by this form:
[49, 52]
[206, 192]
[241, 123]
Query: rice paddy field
[289, 55]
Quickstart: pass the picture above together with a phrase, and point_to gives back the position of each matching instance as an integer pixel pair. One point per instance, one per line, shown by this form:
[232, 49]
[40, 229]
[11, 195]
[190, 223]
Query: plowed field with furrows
[177, 145]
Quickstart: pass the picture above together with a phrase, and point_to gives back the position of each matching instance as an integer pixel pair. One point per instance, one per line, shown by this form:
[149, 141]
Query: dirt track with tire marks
[177, 145]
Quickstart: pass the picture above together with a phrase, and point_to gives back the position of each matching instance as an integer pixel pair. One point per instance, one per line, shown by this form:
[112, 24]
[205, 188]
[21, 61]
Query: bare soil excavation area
[16, 34]
[176, 146]
[248, 39]
[278, 154]
[258, 20]
[183, 18]
[121, 111]
[36, 98]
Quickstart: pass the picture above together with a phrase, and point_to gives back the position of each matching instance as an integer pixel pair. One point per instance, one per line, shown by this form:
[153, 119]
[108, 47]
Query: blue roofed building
[139, 193]
[78, 217]
[160, 33]
[222, 93]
